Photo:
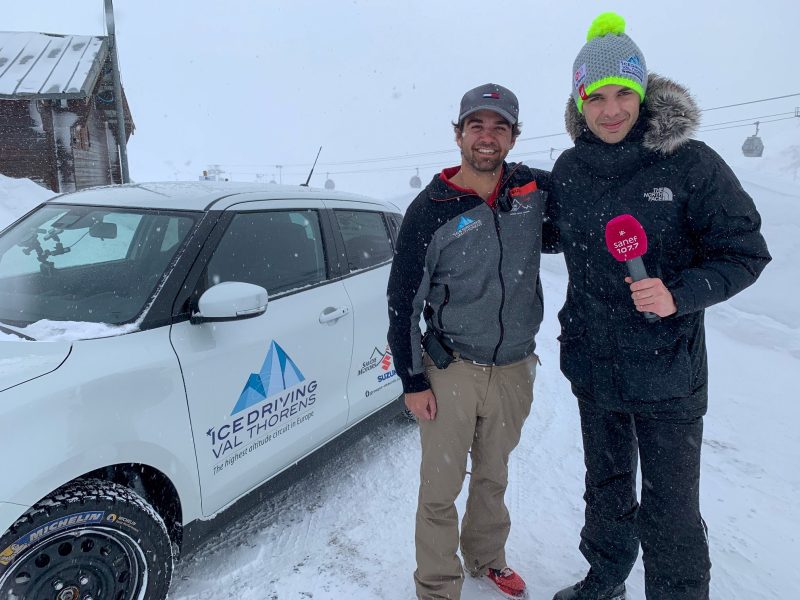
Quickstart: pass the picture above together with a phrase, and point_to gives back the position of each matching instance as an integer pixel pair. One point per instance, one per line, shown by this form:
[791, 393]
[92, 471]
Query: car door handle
[331, 314]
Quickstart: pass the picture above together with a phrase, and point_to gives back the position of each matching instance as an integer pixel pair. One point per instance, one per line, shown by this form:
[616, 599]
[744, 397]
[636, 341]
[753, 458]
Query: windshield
[86, 263]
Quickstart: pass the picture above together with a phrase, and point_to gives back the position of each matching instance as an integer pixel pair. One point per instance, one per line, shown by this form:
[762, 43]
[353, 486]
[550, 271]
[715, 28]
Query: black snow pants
[667, 522]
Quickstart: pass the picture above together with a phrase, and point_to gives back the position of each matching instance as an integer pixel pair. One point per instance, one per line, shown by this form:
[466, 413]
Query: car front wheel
[89, 539]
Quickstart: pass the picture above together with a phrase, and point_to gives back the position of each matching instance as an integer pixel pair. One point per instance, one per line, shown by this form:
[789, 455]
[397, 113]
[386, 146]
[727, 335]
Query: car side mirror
[230, 301]
[103, 230]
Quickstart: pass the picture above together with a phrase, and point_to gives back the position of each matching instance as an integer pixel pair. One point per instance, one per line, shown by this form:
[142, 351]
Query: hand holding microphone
[627, 242]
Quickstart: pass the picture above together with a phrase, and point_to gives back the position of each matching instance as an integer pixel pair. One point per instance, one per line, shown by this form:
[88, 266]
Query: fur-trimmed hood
[672, 113]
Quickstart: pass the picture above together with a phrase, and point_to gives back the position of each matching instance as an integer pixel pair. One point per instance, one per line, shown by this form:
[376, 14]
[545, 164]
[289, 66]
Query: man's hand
[651, 295]
[422, 404]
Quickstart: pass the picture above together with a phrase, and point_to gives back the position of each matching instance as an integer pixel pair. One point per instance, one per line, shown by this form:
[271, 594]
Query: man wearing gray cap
[467, 260]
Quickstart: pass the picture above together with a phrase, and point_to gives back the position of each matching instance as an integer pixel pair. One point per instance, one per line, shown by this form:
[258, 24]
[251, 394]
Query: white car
[166, 349]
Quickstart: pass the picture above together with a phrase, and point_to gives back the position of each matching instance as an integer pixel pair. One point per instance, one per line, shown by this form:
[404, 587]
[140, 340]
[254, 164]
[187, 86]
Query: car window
[394, 223]
[174, 232]
[278, 250]
[78, 248]
[85, 263]
[366, 238]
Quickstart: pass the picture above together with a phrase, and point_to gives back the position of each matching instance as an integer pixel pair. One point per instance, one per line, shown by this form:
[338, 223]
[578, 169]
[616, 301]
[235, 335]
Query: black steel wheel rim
[98, 562]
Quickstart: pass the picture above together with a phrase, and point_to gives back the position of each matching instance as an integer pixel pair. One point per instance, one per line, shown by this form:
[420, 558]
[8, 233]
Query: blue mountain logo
[278, 373]
[464, 222]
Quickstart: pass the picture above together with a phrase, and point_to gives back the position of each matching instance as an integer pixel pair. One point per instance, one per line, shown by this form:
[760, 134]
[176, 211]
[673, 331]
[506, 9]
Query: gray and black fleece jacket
[473, 269]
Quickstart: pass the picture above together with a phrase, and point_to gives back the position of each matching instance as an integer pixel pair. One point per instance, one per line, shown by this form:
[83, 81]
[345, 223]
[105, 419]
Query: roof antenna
[312, 169]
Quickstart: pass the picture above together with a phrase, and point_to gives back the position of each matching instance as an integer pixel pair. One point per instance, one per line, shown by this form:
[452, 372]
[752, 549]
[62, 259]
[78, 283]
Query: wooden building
[58, 119]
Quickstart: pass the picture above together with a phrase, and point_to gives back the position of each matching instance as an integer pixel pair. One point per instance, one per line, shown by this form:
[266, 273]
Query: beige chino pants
[482, 409]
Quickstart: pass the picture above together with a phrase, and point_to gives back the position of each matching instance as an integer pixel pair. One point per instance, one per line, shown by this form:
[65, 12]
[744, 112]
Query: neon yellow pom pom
[604, 24]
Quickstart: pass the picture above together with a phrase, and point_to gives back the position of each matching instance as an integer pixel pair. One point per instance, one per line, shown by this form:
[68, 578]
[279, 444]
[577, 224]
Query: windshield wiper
[24, 336]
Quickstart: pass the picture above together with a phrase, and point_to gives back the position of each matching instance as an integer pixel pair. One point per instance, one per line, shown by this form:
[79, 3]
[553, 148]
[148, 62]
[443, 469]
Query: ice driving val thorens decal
[274, 400]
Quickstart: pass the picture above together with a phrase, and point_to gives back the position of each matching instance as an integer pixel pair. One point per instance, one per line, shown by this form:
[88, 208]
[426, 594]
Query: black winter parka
[704, 243]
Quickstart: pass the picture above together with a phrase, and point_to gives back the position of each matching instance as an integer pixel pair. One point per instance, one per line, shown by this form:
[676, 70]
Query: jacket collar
[622, 159]
[668, 119]
[442, 188]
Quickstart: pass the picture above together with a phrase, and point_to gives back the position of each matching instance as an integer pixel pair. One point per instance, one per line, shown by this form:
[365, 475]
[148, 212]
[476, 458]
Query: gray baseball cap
[490, 96]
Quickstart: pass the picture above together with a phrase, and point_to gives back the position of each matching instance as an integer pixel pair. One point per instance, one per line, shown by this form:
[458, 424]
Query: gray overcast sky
[253, 84]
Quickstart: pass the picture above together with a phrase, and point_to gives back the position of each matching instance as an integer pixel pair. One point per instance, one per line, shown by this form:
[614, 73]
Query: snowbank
[18, 196]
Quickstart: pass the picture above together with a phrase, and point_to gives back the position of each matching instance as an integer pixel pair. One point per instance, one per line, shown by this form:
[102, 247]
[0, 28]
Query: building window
[80, 137]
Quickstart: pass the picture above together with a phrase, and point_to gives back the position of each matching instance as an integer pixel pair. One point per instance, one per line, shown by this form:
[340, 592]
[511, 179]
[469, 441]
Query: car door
[373, 381]
[267, 390]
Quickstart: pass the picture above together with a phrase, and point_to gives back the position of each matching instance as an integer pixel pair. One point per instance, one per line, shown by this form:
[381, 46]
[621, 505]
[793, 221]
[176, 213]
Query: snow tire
[90, 538]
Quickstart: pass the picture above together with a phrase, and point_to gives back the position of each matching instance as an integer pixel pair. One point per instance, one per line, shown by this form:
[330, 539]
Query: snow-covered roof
[199, 195]
[46, 65]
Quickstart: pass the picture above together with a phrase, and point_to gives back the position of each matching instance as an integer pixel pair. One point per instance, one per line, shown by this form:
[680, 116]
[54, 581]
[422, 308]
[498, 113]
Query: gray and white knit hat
[609, 57]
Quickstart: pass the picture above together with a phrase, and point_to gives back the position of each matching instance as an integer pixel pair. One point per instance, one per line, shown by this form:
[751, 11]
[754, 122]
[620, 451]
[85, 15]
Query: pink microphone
[627, 242]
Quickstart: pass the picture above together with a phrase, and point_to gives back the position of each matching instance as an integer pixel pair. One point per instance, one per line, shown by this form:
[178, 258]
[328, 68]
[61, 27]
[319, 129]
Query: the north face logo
[662, 194]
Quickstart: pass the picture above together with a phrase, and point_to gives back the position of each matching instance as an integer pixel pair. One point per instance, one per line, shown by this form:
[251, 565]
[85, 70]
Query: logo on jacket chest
[659, 194]
[519, 200]
[519, 206]
[465, 225]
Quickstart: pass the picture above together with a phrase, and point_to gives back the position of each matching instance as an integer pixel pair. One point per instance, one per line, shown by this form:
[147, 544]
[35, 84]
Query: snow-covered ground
[345, 531]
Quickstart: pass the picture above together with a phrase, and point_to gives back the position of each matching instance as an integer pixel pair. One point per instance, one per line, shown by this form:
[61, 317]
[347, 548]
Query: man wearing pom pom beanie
[642, 386]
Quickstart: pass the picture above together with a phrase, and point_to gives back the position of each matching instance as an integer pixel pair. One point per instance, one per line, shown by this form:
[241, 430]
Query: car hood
[23, 361]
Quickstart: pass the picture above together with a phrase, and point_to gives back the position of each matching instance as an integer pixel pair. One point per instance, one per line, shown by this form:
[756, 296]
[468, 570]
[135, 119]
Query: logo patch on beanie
[632, 68]
[580, 76]
[492, 95]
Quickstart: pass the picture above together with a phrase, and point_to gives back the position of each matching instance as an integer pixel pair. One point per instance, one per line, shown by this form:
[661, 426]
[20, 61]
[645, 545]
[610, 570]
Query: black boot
[591, 589]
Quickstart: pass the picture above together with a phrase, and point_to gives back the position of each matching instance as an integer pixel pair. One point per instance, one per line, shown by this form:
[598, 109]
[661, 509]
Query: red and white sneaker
[507, 582]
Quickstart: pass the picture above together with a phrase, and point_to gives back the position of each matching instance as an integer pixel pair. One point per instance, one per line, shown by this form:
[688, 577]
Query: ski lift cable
[748, 124]
[439, 165]
[521, 139]
[551, 135]
[430, 165]
[396, 157]
[541, 137]
[750, 120]
[526, 139]
[433, 164]
[750, 102]
[387, 169]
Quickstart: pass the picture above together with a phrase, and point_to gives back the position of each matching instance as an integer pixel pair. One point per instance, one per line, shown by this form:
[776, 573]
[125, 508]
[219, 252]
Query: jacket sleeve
[550, 235]
[409, 283]
[725, 228]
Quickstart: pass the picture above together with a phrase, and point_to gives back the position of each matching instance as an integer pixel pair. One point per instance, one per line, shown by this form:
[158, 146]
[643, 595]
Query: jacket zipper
[502, 285]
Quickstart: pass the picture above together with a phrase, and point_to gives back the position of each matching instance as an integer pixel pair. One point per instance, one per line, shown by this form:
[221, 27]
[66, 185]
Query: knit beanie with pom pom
[609, 57]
